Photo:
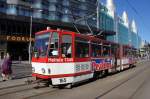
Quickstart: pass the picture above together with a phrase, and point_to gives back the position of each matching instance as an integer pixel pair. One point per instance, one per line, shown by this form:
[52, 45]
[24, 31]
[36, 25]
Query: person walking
[6, 67]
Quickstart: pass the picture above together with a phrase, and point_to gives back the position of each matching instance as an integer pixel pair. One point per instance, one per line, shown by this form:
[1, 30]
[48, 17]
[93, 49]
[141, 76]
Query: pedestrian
[6, 67]
[20, 59]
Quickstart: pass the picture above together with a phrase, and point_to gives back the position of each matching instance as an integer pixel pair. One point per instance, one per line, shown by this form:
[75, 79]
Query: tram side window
[106, 50]
[66, 46]
[134, 53]
[125, 52]
[96, 50]
[129, 53]
[114, 51]
[81, 48]
[53, 49]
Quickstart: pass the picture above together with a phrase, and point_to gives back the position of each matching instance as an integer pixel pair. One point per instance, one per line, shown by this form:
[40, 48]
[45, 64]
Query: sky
[141, 17]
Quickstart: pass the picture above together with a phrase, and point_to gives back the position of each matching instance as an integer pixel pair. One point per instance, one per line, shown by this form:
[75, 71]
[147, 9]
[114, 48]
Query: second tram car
[65, 57]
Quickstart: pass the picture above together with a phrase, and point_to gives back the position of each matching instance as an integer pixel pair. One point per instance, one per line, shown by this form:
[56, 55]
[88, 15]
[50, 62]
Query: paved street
[130, 84]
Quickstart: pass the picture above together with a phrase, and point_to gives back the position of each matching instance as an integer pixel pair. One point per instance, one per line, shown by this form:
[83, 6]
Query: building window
[12, 9]
[2, 7]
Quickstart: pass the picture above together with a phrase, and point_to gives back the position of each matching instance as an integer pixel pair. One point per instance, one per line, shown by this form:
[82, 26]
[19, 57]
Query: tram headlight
[49, 71]
[43, 70]
[33, 69]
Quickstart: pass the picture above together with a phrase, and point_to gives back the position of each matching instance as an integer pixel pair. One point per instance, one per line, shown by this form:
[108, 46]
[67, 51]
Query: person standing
[20, 59]
[6, 67]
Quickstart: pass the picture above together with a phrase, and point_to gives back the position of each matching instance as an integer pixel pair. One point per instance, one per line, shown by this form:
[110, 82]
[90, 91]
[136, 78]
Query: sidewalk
[22, 62]
[21, 73]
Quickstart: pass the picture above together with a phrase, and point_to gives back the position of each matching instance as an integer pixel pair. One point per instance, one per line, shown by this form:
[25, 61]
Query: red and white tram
[65, 57]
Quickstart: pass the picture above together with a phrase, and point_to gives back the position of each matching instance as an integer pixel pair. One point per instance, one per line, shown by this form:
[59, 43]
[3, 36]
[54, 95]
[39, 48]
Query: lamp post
[98, 12]
[30, 39]
[30, 42]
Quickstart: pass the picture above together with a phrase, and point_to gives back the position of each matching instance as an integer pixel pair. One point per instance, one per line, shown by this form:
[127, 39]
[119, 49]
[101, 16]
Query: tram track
[24, 88]
[123, 82]
[15, 89]
[27, 90]
[138, 89]
[43, 93]
[11, 87]
[47, 90]
[54, 91]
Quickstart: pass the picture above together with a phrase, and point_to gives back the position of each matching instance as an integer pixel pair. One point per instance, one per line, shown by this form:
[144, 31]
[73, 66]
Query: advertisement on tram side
[102, 64]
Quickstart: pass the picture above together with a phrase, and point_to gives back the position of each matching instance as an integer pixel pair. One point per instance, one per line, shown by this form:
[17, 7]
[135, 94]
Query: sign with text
[60, 60]
[101, 64]
[17, 38]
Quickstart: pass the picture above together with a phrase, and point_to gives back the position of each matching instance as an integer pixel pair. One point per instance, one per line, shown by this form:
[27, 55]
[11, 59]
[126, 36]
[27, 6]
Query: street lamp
[30, 39]
[31, 19]
[98, 12]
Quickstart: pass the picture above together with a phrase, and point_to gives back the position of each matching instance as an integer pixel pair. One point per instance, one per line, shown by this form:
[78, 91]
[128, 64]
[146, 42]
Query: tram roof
[96, 38]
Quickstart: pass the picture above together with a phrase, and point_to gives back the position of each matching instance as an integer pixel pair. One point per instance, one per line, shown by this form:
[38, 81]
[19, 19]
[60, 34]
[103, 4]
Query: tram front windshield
[46, 44]
[41, 44]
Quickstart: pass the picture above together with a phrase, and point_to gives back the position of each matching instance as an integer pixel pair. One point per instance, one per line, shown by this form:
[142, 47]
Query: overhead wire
[138, 14]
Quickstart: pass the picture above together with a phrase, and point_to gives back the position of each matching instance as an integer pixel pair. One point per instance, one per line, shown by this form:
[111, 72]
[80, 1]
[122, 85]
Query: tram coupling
[28, 82]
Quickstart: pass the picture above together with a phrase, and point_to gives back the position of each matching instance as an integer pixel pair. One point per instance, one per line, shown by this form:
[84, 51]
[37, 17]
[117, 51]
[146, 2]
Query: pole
[116, 28]
[30, 39]
[98, 16]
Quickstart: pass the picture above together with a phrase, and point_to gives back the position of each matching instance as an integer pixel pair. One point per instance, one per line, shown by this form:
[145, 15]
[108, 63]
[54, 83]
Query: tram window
[96, 50]
[129, 52]
[41, 44]
[106, 50]
[125, 52]
[66, 46]
[53, 51]
[114, 51]
[81, 48]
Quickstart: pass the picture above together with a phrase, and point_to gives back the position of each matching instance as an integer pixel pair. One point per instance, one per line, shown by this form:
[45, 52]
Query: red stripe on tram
[60, 75]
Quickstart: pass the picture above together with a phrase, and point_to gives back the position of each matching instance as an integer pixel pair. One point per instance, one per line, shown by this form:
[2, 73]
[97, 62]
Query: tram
[66, 58]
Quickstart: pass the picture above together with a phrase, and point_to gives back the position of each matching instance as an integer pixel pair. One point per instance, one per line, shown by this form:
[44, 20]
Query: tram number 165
[62, 80]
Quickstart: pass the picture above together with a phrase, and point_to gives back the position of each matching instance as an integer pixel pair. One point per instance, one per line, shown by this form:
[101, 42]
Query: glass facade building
[15, 20]
[134, 40]
[124, 35]
[56, 10]
[139, 42]
[106, 21]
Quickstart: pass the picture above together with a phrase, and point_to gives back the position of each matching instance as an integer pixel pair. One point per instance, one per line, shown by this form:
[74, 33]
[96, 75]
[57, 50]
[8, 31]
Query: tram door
[115, 53]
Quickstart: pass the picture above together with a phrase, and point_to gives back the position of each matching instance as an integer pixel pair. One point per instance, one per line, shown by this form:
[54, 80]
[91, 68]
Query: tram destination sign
[16, 38]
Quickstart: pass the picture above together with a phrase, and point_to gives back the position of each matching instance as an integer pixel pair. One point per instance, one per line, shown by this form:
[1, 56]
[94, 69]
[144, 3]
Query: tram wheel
[106, 73]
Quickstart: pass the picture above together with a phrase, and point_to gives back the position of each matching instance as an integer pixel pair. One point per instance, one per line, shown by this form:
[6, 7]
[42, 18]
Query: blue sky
[142, 19]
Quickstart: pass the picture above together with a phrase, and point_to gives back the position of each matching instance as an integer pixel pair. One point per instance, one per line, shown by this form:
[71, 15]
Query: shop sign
[19, 38]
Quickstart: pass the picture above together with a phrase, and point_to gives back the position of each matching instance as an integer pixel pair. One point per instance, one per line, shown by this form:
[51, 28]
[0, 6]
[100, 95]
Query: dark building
[16, 15]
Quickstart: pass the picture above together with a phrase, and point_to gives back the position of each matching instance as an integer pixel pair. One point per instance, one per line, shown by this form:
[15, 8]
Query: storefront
[14, 36]
[16, 46]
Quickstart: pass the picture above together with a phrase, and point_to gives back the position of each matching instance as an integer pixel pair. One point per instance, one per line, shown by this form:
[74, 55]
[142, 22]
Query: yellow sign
[16, 38]
[19, 38]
